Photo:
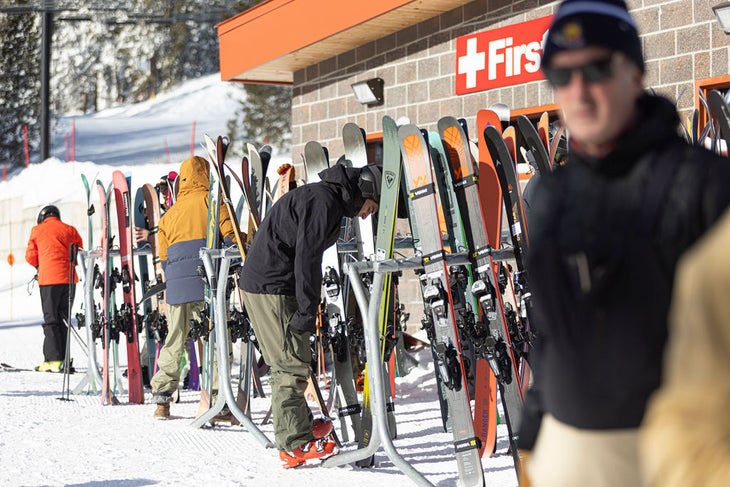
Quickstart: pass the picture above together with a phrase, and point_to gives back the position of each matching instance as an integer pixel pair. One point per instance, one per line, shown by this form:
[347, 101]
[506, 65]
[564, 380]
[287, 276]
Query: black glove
[302, 323]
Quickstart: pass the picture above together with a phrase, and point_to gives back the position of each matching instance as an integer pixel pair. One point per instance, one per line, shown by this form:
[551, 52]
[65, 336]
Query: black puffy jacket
[605, 237]
[286, 255]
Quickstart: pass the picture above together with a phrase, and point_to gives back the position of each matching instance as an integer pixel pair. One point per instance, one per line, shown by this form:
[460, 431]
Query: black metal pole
[46, 36]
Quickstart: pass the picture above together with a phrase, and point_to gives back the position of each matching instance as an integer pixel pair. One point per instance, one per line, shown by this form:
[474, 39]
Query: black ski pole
[66, 388]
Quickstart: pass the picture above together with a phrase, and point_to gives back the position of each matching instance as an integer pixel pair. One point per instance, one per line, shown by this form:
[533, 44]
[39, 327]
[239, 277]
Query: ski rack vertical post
[225, 393]
[92, 376]
[371, 329]
[370, 312]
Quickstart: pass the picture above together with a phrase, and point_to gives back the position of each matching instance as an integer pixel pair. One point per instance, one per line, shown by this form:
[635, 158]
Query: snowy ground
[44, 441]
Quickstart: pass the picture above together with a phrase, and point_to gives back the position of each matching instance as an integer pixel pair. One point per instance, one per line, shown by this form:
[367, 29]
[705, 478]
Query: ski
[104, 279]
[353, 138]
[437, 297]
[543, 130]
[384, 247]
[721, 113]
[489, 335]
[204, 327]
[315, 160]
[535, 144]
[147, 354]
[128, 311]
[287, 177]
[156, 321]
[512, 201]
[452, 232]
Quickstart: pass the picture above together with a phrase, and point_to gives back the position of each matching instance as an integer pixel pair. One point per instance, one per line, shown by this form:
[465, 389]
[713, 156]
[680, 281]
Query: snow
[45, 441]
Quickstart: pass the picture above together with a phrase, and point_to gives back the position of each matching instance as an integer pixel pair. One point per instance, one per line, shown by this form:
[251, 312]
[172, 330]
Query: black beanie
[603, 23]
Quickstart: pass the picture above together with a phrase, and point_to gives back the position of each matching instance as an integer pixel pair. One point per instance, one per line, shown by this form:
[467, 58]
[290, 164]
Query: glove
[302, 323]
[523, 479]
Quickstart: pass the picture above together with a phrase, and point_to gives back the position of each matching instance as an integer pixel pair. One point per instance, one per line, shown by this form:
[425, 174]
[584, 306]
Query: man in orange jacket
[48, 251]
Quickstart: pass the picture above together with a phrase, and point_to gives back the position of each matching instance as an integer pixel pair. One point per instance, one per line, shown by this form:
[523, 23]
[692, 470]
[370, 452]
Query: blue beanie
[604, 23]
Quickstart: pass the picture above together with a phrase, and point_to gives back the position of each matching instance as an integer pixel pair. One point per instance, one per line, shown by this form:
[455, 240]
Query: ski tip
[400, 121]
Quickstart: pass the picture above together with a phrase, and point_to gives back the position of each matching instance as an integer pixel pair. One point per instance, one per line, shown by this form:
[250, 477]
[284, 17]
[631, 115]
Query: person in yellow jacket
[48, 251]
[685, 438]
[182, 232]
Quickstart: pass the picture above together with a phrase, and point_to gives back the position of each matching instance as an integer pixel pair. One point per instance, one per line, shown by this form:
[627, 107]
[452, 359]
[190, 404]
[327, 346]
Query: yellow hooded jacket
[182, 232]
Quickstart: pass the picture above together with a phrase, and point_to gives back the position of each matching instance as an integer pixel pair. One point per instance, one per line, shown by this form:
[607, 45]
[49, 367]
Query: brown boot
[162, 411]
[225, 416]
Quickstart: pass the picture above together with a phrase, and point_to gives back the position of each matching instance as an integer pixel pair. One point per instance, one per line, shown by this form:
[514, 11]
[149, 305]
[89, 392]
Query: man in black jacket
[281, 282]
[606, 232]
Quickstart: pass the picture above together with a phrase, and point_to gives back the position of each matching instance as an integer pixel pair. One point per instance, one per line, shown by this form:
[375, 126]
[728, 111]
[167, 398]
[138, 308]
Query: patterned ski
[505, 168]
[384, 247]
[287, 176]
[512, 201]
[128, 310]
[148, 353]
[437, 296]
[489, 335]
[157, 320]
[107, 396]
[452, 231]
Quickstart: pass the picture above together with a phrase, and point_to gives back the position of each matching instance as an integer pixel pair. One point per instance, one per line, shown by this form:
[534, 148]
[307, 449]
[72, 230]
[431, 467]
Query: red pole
[3, 171]
[67, 147]
[73, 139]
[25, 143]
[192, 141]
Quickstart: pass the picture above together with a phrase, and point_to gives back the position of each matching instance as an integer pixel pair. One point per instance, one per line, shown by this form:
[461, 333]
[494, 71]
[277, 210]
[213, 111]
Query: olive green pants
[289, 355]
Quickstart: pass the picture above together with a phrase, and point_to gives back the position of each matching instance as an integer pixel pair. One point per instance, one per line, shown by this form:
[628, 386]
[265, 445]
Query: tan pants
[167, 378]
[565, 456]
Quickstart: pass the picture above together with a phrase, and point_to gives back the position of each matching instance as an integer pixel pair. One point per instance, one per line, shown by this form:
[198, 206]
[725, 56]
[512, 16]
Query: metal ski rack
[221, 337]
[92, 378]
[369, 311]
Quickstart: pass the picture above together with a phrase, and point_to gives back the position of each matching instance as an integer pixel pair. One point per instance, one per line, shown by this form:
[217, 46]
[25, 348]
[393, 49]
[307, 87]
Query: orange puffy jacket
[48, 249]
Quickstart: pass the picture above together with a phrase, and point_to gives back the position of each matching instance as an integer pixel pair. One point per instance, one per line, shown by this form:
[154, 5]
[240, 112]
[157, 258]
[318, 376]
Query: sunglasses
[592, 72]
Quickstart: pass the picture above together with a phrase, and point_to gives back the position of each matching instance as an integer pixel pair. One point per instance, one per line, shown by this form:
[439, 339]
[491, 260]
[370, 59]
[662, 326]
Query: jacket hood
[343, 180]
[194, 175]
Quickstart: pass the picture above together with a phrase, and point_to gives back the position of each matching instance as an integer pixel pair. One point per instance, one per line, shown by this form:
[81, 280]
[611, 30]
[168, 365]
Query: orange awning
[269, 42]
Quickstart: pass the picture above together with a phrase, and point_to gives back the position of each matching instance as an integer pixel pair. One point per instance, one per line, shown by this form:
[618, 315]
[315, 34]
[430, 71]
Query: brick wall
[682, 42]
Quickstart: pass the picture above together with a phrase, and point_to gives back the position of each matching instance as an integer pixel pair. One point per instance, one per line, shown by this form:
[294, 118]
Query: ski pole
[66, 388]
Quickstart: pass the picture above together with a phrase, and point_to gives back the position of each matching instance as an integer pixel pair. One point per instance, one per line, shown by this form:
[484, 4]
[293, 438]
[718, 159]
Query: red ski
[128, 310]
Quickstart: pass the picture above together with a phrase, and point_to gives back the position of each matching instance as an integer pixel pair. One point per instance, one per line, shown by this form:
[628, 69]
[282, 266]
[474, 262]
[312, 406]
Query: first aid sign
[500, 57]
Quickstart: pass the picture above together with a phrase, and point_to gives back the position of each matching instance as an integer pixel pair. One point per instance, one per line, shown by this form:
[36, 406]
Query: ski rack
[371, 329]
[92, 378]
[221, 338]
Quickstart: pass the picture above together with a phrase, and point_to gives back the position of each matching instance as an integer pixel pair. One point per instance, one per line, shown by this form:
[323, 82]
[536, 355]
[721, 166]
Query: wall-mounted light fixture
[369, 92]
[722, 12]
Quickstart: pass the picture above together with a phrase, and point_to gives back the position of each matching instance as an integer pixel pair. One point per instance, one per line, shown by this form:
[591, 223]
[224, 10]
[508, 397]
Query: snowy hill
[154, 131]
[44, 441]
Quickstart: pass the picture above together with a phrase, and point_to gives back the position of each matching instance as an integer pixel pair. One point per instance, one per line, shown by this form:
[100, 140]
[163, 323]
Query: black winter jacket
[286, 255]
[605, 237]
